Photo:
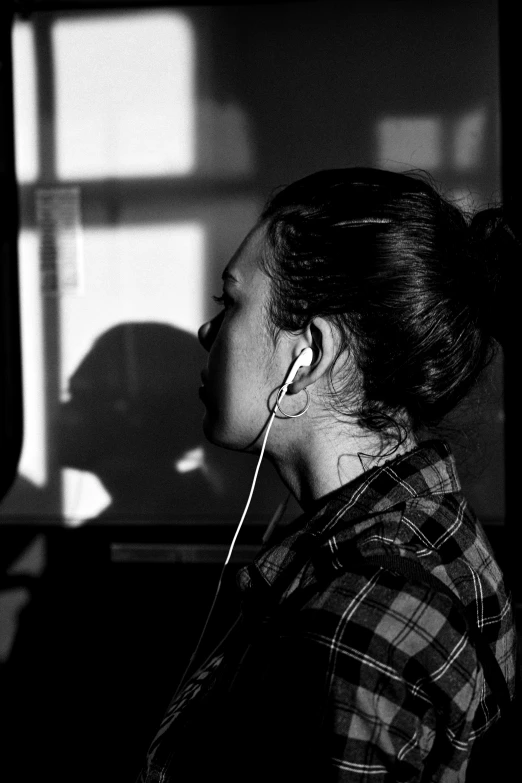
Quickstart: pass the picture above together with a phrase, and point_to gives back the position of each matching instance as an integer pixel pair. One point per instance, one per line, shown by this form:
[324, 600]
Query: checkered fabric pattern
[341, 671]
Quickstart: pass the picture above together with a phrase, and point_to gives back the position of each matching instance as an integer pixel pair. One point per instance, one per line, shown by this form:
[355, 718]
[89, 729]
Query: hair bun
[493, 249]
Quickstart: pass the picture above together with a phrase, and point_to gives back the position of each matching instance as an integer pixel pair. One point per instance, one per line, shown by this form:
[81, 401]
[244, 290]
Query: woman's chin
[215, 433]
[220, 435]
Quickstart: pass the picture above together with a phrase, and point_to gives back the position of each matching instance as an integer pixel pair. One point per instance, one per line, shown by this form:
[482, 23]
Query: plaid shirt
[337, 671]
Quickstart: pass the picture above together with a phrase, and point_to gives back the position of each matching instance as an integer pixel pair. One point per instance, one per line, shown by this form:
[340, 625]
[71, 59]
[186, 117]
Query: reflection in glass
[224, 139]
[124, 95]
[133, 273]
[468, 140]
[24, 90]
[409, 142]
[33, 460]
[132, 420]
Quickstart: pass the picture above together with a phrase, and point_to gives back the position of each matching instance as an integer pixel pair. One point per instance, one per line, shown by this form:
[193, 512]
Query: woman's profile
[357, 313]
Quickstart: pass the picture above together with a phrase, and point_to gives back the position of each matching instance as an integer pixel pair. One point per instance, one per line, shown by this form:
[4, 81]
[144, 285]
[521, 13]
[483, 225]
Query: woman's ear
[322, 338]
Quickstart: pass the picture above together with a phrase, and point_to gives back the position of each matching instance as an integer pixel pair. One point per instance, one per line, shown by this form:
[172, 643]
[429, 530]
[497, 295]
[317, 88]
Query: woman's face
[244, 366]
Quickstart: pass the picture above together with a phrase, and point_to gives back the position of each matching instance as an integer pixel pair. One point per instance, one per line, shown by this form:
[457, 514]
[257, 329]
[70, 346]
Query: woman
[380, 297]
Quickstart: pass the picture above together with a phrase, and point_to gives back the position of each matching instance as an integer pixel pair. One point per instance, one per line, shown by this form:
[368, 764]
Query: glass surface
[146, 144]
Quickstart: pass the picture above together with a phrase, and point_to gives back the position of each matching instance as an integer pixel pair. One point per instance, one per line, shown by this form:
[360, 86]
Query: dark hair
[410, 281]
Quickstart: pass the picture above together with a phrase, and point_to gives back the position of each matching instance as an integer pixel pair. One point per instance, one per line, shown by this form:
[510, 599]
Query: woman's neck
[322, 461]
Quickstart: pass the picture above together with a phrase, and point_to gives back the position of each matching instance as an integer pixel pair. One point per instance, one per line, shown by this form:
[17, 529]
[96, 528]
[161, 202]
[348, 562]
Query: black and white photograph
[258, 409]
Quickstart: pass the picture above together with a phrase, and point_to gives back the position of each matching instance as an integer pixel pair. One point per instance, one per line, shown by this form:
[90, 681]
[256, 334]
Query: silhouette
[134, 420]
[132, 415]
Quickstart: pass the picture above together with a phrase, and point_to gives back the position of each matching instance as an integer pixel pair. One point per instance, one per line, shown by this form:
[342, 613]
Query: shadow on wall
[134, 420]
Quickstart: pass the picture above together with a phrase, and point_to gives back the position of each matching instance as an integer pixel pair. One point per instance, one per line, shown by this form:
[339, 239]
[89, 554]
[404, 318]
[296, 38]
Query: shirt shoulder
[373, 616]
[394, 662]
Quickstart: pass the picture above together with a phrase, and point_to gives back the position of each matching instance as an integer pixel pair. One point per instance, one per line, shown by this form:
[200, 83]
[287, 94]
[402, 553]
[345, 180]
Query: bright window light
[33, 460]
[468, 140]
[124, 95]
[134, 273]
[191, 460]
[409, 142]
[83, 496]
[24, 87]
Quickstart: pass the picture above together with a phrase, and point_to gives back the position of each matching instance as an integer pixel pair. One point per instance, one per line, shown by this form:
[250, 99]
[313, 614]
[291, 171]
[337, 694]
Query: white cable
[280, 396]
[251, 488]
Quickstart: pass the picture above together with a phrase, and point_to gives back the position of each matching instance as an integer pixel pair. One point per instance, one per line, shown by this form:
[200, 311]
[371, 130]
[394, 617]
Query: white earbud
[303, 360]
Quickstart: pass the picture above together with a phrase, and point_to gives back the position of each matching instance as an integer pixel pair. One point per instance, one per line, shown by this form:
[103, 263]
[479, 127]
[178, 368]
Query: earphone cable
[238, 528]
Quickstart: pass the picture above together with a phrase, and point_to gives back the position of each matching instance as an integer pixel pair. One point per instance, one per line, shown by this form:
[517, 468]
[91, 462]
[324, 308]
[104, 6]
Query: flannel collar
[427, 470]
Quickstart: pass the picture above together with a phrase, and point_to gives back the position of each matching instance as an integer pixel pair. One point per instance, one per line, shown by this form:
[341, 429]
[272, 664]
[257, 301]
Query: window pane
[24, 83]
[33, 460]
[124, 95]
[469, 137]
[407, 142]
[134, 273]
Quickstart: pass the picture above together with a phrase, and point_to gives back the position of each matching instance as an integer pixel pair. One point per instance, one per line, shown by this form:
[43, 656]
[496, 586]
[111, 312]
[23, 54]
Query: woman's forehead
[245, 264]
